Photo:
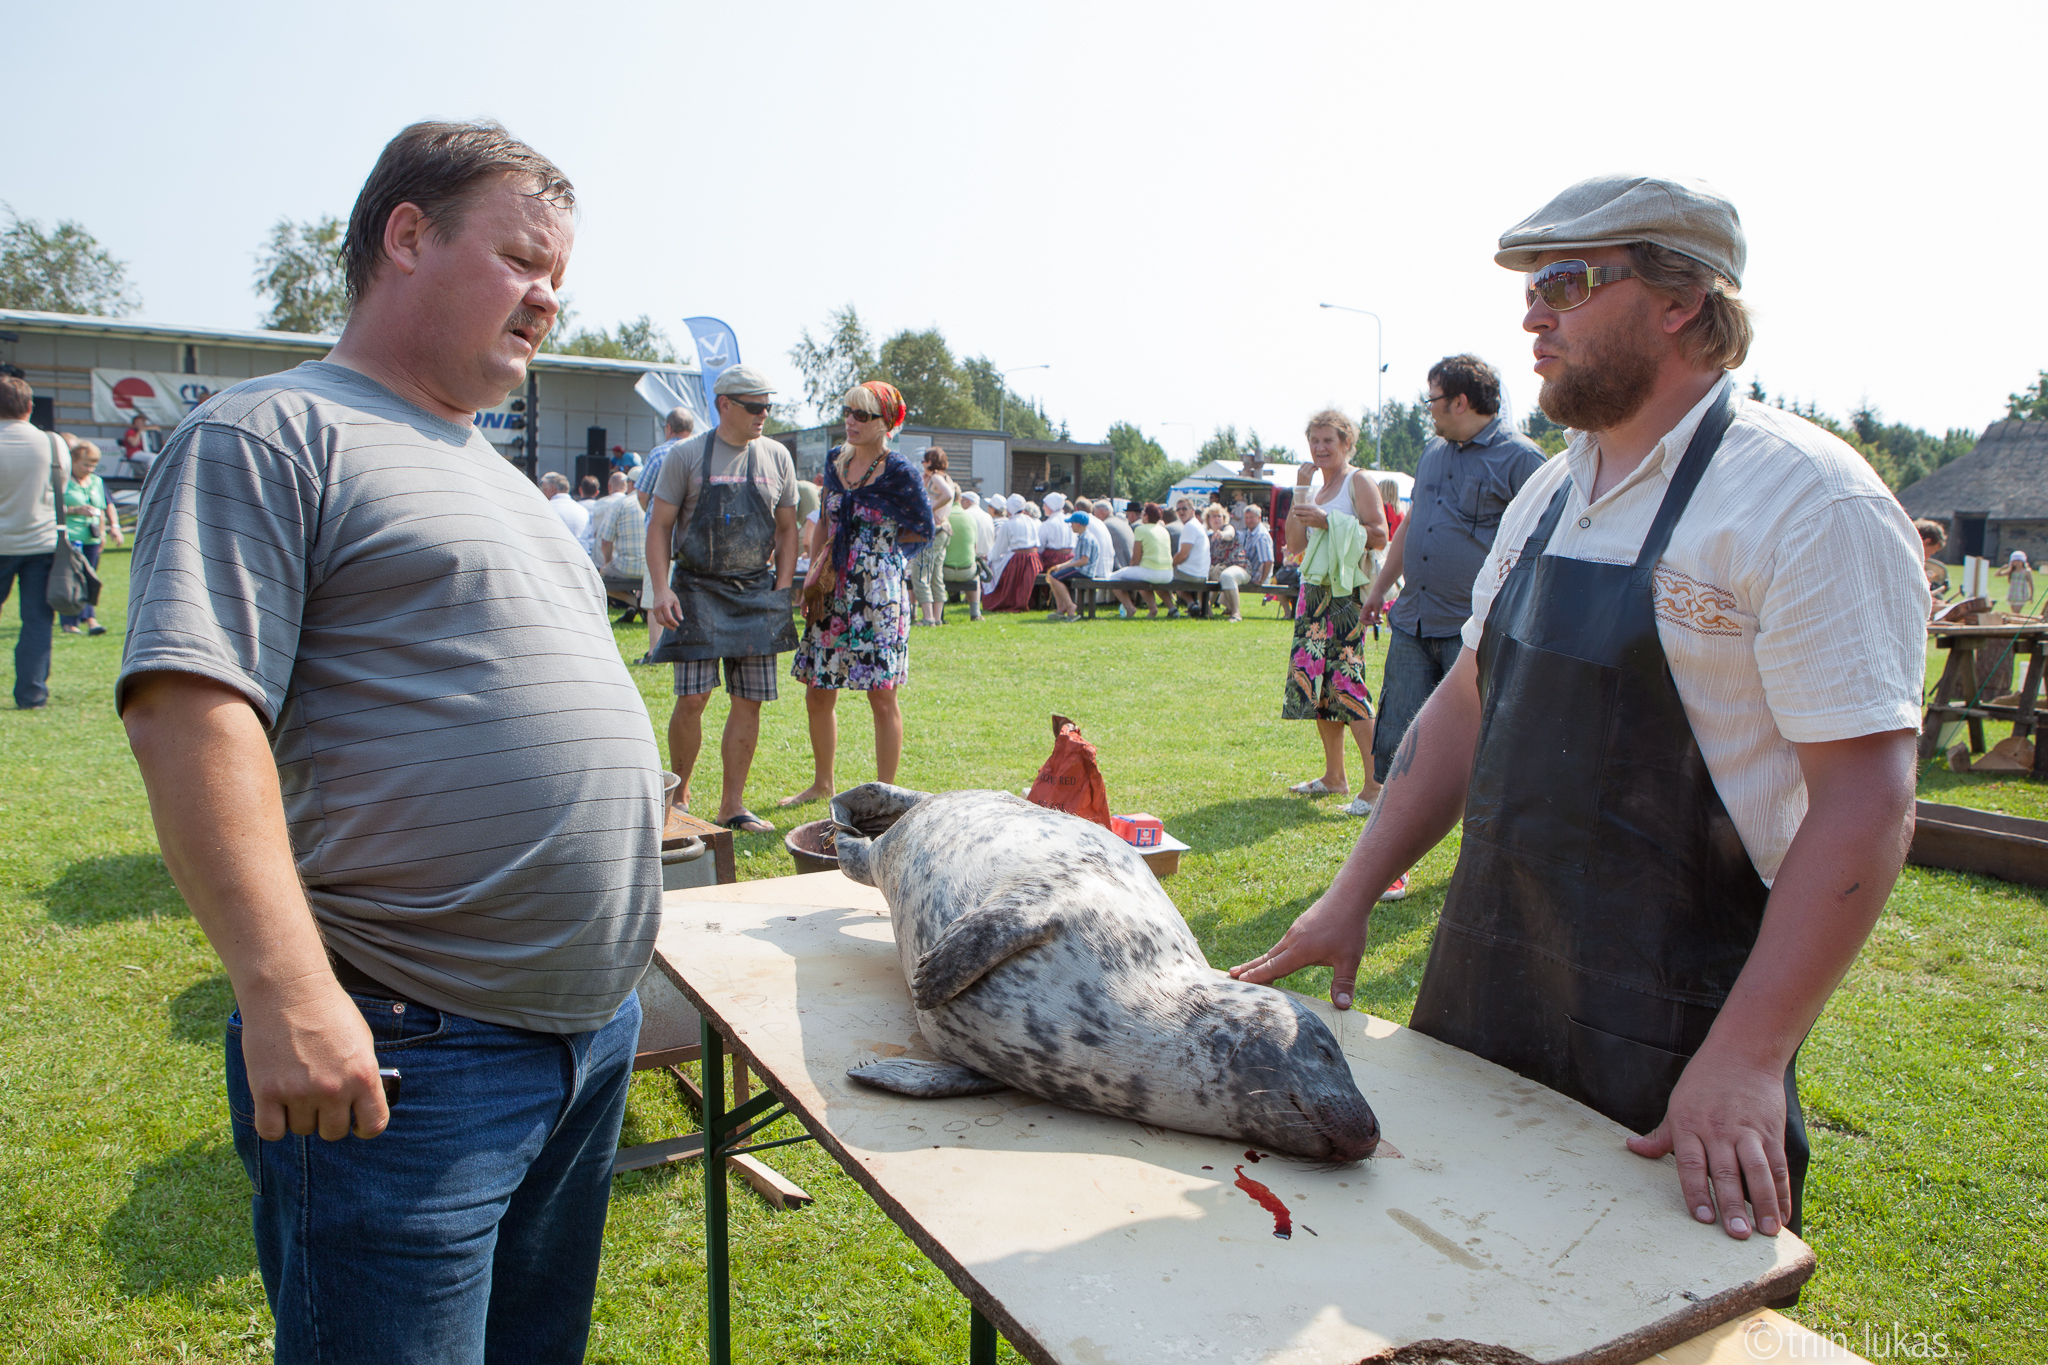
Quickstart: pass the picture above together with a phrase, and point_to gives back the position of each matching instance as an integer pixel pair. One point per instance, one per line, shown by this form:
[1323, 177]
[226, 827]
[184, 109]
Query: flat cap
[1687, 216]
[742, 379]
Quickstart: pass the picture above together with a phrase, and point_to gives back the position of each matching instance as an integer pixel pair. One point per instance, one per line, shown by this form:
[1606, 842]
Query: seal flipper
[924, 1080]
[1019, 917]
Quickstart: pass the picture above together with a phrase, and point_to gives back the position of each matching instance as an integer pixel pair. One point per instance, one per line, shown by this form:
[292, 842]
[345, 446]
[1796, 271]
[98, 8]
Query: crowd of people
[426, 835]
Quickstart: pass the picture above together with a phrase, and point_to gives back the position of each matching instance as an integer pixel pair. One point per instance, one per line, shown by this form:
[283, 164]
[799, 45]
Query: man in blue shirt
[1464, 481]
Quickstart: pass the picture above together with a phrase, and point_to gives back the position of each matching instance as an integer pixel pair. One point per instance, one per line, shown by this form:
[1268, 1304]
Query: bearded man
[1695, 656]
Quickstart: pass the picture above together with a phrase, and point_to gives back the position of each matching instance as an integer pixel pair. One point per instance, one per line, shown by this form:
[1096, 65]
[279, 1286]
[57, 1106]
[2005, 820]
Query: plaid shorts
[752, 677]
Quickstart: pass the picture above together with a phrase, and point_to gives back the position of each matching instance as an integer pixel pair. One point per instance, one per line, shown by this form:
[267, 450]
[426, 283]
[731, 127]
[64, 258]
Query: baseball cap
[1687, 216]
[742, 379]
[970, 499]
[1078, 518]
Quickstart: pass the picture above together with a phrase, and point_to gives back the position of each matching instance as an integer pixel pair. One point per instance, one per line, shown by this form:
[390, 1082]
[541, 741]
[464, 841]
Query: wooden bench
[625, 592]
[1207, 596]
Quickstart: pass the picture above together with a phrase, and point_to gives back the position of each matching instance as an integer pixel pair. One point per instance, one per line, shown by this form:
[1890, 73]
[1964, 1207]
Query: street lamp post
[1003, 393]
[1379, 372]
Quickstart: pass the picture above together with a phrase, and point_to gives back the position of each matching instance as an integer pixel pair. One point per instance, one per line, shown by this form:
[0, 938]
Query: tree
[1012, 413]
[2029, 404]
[1403, 429]
[640, 339]
[66, 271]
[1548, 435]
[1142, 470]
[830, 367]
[299, 271]
[922, 367]
[1224, 445]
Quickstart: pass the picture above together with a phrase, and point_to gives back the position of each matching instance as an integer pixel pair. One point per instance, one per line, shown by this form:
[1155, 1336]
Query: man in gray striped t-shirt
[401, 775]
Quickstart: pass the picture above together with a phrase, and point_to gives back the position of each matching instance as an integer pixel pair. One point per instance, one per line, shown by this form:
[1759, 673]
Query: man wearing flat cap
[1695, 657]
[725, 504]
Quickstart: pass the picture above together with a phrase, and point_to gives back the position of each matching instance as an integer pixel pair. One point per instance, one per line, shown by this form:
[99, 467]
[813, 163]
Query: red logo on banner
[128, 390]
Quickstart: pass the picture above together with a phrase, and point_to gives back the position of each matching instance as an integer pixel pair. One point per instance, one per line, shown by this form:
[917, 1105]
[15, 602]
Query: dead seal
[1042, 955]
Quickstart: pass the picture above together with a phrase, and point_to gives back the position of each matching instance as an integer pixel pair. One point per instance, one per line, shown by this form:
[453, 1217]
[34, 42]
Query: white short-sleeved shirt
[1791, 602]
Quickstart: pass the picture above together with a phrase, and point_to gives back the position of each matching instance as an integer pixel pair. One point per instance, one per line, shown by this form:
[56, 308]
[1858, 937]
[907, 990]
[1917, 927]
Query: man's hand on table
[312, 1063]
[1726, 1125]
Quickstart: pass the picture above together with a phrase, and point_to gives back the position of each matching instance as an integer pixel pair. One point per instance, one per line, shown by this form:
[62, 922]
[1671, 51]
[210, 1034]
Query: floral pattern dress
[862, 642]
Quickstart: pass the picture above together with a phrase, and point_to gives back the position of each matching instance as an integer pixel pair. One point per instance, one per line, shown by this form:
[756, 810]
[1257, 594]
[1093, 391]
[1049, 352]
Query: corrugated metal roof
[14, 319]
[2005, 476]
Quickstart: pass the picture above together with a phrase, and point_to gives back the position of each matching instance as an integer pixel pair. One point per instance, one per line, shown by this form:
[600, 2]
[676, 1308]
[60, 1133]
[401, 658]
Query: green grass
[123, 1224]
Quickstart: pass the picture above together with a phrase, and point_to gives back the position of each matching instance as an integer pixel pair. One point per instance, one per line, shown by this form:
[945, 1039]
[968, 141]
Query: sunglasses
[856, 415]
[1564, 285]
[752, 409]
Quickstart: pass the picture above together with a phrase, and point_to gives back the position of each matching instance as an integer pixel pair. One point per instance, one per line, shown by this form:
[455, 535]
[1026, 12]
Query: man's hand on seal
[1330, 933]
[1726, 1126]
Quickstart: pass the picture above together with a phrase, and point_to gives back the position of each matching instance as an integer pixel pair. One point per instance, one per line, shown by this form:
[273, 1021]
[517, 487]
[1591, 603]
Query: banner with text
[117, 395]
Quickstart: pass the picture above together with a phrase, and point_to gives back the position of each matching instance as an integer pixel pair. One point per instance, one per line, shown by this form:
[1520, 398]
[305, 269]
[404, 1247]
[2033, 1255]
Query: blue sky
[1150, 198]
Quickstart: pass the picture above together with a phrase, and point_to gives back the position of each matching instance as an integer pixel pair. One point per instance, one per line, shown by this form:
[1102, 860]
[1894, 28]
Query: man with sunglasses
[725, 505]
[1683, 754]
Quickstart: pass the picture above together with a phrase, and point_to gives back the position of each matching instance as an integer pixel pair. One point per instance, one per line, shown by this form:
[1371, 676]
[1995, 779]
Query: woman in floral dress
[873, 517]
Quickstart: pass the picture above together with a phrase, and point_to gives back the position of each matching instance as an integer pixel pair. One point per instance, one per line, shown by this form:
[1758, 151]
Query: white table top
[1513, 1216]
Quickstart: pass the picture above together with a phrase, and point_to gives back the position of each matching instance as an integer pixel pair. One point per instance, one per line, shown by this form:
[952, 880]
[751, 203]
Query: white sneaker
[1398, 891]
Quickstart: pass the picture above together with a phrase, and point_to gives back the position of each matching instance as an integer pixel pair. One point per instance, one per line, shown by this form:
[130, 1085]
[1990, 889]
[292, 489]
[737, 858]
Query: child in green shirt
[88, 521]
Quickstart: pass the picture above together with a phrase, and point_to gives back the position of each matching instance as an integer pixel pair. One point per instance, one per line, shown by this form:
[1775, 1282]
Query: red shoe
[1398, 891]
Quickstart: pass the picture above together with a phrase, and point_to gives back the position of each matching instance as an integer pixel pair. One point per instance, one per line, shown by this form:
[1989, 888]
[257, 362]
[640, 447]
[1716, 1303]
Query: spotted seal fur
[1042, 955]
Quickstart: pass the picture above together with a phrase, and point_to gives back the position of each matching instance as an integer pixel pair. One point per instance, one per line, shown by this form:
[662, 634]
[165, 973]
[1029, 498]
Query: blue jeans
[1415, 665]
[469, 1230]
[91, 550]
[31, 573]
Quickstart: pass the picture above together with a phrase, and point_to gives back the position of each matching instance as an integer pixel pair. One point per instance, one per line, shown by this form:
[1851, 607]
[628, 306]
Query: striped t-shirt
[469, 775]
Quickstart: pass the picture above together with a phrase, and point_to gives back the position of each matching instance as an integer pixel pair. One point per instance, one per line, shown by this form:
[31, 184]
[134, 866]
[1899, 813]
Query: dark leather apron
[1603, 903]
[723, 575]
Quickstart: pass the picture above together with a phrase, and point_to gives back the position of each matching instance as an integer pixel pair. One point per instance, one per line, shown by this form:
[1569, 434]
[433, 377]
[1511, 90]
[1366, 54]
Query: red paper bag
[1070, 781]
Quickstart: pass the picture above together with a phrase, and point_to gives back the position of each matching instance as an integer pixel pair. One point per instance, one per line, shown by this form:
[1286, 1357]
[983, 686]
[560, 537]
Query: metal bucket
[810, 847]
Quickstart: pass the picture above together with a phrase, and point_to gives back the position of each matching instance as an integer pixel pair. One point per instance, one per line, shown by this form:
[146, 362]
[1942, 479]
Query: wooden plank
[1762, 1335]
[645, 1154]
[768, 1183]
[2008, 847]
[647, 1061]
[1514, 1217]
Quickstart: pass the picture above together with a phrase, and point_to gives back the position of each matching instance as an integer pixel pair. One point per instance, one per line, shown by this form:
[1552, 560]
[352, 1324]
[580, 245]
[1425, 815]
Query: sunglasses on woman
[1564, 285]
[856, 415]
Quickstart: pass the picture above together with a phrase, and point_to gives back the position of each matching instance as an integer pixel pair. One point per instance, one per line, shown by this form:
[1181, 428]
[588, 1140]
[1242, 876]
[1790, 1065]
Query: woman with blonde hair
[928, 577]
[1334, 520]
[873, 518]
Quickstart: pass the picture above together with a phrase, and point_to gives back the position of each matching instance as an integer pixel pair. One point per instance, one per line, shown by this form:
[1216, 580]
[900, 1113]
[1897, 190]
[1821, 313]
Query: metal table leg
[981, 1339]
[717, 1268]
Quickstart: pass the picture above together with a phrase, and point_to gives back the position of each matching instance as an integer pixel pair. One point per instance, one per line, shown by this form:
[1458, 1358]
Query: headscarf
[896, 491]
[1015, 504]
[890, 400]
[1054, 501]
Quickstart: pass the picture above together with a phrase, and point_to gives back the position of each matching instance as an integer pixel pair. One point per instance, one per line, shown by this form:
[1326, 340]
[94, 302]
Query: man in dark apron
[1643, 645]
[727, 602]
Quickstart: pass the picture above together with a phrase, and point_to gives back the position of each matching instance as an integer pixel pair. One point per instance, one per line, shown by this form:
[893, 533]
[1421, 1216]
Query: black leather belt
[354, 978]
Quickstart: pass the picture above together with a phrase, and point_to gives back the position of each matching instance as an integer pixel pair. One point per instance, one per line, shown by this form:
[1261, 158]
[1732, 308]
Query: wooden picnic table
[1512, 1215]
[1974, 678]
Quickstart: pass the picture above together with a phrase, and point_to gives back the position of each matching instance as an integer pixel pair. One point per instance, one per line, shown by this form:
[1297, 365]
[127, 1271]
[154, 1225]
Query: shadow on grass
[199, 1013]
[107, 890]
[1240, 824]
[185, 1221]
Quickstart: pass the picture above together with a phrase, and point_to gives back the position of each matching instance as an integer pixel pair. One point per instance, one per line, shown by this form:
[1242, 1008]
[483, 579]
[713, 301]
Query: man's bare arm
[1425, 793]
[662, 607]
[219, 817]
[785, 546]
[1726, 1119]
[1389, 574]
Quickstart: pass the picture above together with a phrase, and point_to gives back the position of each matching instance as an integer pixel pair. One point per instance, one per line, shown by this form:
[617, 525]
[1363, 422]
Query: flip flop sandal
[745, 823]
[1315, 787]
